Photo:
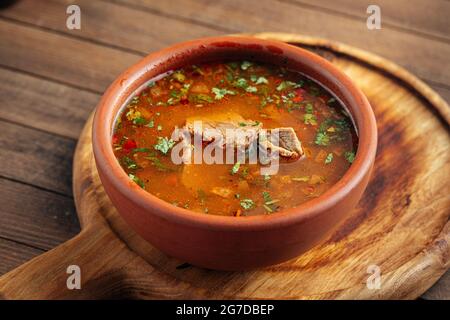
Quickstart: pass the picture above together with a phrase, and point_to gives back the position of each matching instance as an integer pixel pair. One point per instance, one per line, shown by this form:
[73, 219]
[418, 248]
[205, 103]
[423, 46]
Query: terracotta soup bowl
[222, 242]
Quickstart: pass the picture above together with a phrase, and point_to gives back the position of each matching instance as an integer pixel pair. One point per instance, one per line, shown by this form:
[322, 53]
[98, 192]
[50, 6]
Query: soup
[316, 140]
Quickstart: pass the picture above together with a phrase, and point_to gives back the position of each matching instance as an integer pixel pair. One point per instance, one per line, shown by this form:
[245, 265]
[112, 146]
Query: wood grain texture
[407, 15]
[401, 224]
[77, 63]
[36, 157]
[44, 221]
[44, 105]
[425, 57]
[107, 23]
[13, 254]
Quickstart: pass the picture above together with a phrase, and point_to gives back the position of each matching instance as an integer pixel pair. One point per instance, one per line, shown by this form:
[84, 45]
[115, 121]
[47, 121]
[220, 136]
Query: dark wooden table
[52, 78]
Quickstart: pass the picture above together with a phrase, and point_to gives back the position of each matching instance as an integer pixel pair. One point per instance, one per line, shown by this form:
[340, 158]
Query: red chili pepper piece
[298, 95]
[128, 145]
[184, 100]
[115, 139]
[298, 99]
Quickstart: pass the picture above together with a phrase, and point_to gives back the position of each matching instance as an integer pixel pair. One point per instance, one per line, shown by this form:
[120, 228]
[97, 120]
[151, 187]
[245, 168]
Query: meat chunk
[289, 145]
[219, 123]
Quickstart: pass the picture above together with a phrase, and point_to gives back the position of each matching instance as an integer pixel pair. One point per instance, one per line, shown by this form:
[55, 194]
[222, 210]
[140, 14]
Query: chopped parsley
[129, 163]
[322, 139]
[251, 89]
[139, 120]
[138, 181]
[309, 109]
[235, 168]
[140, 150]
[179, 77]
[269, 204]
[150, 124]
[350, 156]
[310, 119]
[241, 83]
[288, 84]
[329, 158]
[259, 80]
[245, 65]
[220, 93]
[247, 204]
[164, 144]
[133, 114]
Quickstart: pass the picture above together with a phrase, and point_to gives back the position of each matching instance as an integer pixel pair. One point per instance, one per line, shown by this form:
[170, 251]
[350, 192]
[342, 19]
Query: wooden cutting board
[400, 226]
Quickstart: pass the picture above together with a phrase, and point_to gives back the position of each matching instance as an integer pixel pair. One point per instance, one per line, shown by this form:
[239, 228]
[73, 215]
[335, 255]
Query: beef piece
[289, 145]
[219, 123]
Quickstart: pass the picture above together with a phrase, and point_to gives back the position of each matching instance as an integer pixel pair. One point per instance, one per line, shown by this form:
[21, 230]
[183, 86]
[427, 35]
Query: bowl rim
[104, 157]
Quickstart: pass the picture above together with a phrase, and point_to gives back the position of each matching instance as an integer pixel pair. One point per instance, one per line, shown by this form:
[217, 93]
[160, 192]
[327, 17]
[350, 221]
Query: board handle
[108, 270]
[97, 254]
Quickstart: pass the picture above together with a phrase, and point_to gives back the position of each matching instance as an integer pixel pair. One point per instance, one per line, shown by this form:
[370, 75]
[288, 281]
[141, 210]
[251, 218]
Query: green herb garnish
[245, 65]
[288, 84]
[322, 139]
[329, 158]
[350, 156]
[129, 163]
[138, 181]
[247, 204]
[220, 93]
[269, 204]
[179, 77]
[164, 144]
[140, 150]
[139, 121]
[309, 109]
[235, 168]
[251, 89]
[259, 80]
[150, 124]
[310, 119]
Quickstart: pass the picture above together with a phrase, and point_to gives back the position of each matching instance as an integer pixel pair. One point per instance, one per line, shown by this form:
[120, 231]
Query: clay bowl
[230, 243]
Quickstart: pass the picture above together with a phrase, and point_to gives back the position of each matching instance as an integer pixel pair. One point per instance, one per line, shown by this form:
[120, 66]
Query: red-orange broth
[268, 95]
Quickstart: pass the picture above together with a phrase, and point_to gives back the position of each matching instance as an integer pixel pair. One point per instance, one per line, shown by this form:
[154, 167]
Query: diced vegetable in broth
[319, 141]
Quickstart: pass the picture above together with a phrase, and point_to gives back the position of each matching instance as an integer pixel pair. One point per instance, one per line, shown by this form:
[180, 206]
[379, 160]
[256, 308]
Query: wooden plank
[42, 219]
[109, 23]
[13, 254]
[425, 57]
[44, 104]
[36, 157]
[60, 58]
[429, 18]
[74, 74]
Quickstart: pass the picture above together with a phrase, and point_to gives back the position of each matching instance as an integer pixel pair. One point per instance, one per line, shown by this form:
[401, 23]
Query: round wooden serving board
[400, 225]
